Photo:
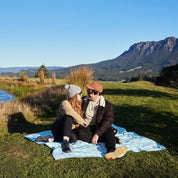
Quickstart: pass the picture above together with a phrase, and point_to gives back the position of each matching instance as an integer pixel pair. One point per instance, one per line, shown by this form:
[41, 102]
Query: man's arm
[106, 119]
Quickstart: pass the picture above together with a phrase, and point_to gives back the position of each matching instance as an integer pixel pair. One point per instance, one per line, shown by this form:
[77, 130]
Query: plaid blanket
[131, 140]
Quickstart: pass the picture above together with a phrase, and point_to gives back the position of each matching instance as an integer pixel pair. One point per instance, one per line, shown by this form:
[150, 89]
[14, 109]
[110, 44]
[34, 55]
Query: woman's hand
[84, 124]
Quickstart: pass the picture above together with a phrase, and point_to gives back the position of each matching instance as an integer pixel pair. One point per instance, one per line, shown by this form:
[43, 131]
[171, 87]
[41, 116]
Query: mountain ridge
[148, 57]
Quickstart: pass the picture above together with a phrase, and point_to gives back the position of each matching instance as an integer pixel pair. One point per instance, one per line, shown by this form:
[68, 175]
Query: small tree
[168, 77]
[46, 72]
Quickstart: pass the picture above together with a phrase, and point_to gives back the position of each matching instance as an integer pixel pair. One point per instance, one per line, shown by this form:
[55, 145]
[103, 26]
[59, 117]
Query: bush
[41, 76]
[23, 77]
[168, 77]
[46, 101]
[53, 78]
[80, 76]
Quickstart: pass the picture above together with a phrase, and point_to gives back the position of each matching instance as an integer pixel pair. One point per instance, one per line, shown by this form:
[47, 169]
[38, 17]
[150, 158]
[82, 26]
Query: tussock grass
[41, 76]
[23, 77]
[53, 78]
[81, 76]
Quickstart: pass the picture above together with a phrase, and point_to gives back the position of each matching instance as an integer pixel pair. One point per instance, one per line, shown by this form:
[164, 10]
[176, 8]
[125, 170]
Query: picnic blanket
[131, 140]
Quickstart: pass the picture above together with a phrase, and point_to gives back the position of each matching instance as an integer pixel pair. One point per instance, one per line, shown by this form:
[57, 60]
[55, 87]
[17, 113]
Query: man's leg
[109, 138]
[85, 133]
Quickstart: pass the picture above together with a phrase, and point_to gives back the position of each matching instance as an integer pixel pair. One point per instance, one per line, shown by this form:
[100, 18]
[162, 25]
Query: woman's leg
[67, 125]
[57, 128]
[62, 128]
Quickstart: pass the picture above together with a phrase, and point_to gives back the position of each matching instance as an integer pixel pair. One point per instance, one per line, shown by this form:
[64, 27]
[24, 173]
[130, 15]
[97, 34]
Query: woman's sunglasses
[89, 91]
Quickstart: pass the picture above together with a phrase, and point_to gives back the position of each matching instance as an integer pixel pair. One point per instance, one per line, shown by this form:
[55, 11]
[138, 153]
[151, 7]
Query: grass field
[142, 107]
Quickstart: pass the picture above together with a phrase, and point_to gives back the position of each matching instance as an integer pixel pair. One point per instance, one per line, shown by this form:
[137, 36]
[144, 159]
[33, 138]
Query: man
[99, 115]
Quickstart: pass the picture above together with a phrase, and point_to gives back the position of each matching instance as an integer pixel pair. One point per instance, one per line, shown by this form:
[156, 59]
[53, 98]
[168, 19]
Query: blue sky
[72, 32]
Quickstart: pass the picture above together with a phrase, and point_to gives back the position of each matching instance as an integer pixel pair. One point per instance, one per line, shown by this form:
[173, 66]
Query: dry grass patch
[8, 110]
[42, 104]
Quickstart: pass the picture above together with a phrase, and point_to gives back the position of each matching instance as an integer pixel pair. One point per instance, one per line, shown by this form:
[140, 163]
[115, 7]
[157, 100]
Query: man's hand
[95, 139]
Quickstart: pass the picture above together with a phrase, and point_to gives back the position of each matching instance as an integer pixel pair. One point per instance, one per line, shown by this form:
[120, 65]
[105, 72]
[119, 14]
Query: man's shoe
[118, 153]
[66, 147]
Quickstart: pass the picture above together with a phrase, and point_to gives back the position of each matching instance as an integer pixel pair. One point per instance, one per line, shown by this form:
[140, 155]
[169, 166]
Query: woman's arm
[70, 111]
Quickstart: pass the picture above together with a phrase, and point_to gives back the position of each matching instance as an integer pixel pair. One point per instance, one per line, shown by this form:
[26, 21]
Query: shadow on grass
[44, 104]
[138, 92]
[18, 123]
[161, 127]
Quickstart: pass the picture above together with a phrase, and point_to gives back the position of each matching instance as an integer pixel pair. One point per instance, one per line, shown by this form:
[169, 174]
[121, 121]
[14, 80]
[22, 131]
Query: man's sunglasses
[89, 91]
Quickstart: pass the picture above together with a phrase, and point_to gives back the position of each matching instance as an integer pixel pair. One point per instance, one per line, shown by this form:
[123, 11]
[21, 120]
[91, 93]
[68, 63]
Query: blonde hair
[76, 104]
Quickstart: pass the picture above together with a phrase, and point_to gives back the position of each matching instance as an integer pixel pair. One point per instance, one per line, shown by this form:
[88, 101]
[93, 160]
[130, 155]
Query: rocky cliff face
[144, 57]
[146, 48]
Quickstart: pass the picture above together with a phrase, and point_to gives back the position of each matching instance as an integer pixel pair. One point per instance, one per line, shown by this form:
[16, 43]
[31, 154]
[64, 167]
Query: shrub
[168, 77]
[81, 76]
[23, 77]
[47, 100]
[53, 77]
[41, 76]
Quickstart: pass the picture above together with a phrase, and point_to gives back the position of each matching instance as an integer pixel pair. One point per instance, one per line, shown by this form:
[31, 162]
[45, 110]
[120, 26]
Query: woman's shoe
[66, 147]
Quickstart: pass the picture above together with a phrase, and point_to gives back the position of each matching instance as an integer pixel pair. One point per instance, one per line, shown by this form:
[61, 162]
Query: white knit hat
[72, 90]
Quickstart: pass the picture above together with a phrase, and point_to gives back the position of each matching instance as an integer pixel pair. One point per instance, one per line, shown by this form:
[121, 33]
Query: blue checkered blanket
[131, 140]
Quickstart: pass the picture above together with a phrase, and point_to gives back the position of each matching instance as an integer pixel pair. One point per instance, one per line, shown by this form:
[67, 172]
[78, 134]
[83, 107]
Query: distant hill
[30, 71]
[144, 57]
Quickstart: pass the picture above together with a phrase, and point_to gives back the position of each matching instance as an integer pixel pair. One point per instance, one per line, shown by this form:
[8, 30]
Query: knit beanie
[72, 90]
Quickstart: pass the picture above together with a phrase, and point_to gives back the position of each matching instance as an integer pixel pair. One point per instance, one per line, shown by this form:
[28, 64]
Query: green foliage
[168, 77]
[143, 77]
[45, 70]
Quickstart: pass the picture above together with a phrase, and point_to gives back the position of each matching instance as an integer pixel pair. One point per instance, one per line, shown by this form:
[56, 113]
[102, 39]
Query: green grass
[142, 107]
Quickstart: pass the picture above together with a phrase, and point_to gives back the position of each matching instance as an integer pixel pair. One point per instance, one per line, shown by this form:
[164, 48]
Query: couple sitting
[88, 119]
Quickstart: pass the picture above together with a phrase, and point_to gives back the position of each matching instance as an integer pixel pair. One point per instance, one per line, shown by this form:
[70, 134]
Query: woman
[68, 118]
